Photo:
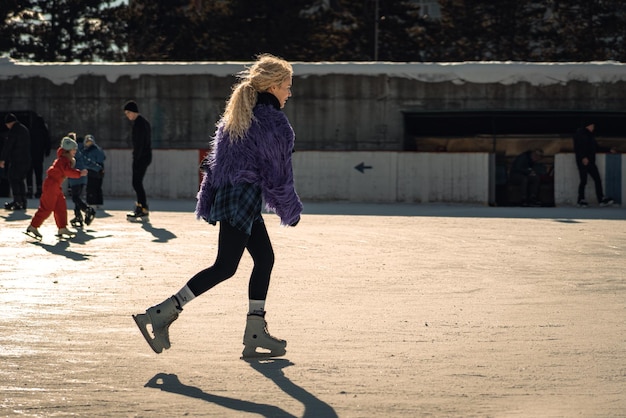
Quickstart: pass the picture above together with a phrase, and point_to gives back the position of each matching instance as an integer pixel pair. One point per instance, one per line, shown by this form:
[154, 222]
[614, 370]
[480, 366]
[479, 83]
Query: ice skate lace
[267, 333]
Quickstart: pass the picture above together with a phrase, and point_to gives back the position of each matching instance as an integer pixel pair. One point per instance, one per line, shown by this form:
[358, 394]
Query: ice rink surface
[388, 311]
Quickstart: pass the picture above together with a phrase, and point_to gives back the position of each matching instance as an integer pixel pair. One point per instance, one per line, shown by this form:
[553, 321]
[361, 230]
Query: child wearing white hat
[52, 197]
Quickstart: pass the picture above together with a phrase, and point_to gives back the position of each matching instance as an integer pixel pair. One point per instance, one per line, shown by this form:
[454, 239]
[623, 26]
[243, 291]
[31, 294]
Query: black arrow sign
[362, 167]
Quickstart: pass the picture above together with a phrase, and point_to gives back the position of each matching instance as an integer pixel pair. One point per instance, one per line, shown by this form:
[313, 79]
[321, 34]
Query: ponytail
[267, 71]
[238, 114]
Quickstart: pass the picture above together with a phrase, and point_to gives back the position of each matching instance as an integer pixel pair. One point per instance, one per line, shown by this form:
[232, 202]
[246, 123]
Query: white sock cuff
[256, 307]
[184, 296]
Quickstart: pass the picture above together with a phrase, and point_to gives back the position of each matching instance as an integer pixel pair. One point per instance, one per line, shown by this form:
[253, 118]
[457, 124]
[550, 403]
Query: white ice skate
[257, 336]
[65, 233]
[159, 317]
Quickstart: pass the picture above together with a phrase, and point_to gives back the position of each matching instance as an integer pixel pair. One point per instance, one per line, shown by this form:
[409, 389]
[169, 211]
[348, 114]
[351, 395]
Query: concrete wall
[344, 114]
[566, 179]
[335, 106]
[345, 176]
[173, 174]
[393, 176]
[366, 176]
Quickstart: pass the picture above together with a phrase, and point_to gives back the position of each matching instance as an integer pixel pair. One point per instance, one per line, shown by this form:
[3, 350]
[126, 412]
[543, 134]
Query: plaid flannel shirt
[240, 205]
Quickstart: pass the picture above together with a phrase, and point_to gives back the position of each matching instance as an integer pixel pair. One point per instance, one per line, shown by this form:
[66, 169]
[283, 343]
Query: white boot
[65, 233]
[159, 317]
[257, 336]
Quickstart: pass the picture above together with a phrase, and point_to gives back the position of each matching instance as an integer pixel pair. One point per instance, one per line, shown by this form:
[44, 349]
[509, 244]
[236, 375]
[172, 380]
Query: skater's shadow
[170, 383]
[83, 236]
[160, 234]
[61, 248]
[16, 215]
[567, 221]
[273, 370]
[101, 213]
[270, 368]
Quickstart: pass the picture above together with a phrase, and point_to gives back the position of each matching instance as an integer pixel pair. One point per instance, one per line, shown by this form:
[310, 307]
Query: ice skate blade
[65, 236]
[251, 353]
[142, 321]
[30, 234]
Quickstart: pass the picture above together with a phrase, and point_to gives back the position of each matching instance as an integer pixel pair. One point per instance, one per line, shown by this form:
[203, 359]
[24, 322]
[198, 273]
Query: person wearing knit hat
[142, 157]
[10, 117]
[69, 144]
[78, 185]
[16, 161]
[131, 106]
[94, 159]
[52, 197]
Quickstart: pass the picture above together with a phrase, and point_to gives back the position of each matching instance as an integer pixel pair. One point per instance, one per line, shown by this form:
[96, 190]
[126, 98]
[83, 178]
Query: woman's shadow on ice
[270, 368]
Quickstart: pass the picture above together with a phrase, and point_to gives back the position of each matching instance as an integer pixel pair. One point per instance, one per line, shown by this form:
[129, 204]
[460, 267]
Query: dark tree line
[312, 30]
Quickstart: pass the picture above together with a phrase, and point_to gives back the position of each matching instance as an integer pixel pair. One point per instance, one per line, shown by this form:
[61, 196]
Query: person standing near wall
[526, 172]
[249, 162]
[39, 148]
[585, 148]
[5, 187]
[16, 160]
[94, 162]
[142, 157]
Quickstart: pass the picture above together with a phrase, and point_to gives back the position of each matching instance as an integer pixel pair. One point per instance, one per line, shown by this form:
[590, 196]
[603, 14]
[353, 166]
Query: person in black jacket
[16, 160]
[142, 157]
[39, 149]
[585, 148]
[526, 172]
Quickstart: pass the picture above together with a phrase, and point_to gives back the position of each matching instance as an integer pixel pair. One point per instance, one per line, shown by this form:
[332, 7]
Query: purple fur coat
[261, 157]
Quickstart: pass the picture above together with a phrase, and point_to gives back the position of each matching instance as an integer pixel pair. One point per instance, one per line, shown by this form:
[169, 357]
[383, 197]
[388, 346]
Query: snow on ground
[535, 73]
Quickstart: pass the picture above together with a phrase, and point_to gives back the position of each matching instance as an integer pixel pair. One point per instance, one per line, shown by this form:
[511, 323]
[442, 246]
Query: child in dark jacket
[77, 186]
[94, 163]
[52, 197]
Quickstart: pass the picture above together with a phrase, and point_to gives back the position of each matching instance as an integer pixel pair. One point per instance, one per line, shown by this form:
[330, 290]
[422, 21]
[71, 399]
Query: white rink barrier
[612, 172]
[363, 176]
[319, 175]
[173, 174]
[393, 176]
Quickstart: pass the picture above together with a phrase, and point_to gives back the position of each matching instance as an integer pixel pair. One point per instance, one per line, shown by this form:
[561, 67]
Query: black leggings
[230, 248]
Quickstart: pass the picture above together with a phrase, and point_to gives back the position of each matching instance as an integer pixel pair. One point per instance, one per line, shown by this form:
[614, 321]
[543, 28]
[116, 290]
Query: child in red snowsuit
[52, 197]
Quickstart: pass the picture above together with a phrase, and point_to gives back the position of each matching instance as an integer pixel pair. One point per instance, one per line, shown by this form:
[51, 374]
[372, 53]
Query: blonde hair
[266, 72]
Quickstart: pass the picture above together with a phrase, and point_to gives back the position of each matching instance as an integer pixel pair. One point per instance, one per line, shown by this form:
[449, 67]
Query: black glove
[294, 223]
